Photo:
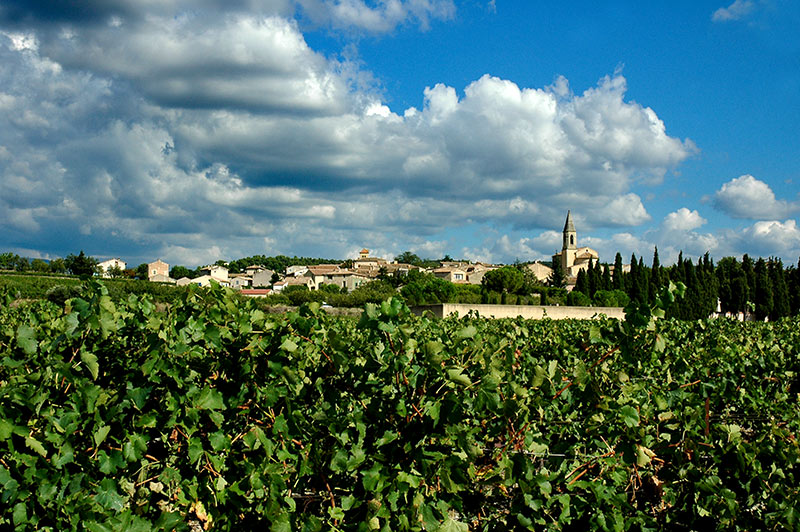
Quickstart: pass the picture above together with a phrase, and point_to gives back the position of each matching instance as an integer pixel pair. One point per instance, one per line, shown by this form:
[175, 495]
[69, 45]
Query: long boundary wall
[532, 312]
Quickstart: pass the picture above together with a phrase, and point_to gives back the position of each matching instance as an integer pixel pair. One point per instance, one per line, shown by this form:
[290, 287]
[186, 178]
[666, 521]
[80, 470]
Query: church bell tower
[569, 249]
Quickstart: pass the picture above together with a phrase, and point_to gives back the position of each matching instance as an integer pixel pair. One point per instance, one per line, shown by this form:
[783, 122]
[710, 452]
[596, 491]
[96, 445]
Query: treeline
[763, 288]
[80, 264]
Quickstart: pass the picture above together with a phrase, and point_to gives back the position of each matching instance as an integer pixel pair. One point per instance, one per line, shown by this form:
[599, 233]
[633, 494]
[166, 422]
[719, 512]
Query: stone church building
[573, 259]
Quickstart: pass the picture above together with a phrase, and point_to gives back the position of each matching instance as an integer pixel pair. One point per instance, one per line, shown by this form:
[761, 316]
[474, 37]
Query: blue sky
[197, 131]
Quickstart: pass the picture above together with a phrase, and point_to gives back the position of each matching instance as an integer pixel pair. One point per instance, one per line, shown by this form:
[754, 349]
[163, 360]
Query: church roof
[569, 226]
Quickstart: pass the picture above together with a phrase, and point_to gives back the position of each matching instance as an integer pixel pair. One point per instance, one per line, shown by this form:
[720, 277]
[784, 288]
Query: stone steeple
[570, 236]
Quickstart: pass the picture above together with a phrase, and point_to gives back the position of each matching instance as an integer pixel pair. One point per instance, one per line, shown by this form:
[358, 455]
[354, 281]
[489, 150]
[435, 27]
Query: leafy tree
[141, 271]
[407, 257]
[39, 265]
[114, 272]
[505, 280]
[330, 288]
[530, 282]
[8, 261]
[81, 264]
[577, 298]
[58, 266]
[426, 289]
[178, 272]
[610, 298]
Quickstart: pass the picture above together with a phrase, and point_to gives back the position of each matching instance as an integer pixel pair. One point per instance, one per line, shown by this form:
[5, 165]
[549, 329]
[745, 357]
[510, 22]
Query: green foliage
[59, 289]
[212, 414]
[427, 289]
[81, 264]
[610, 298]
[576, 298]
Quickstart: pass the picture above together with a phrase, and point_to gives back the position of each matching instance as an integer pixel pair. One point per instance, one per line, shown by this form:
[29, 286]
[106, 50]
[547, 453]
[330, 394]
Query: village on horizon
[258, 280]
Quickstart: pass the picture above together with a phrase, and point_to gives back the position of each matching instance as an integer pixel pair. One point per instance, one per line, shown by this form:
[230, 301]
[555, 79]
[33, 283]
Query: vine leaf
[26, 338]
[90, 359]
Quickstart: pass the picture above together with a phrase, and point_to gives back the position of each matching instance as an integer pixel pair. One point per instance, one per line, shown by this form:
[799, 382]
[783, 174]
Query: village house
[158, 272]
[540, 270]
[262, 278]
[292, 281]
[215, 271]
[105, 267]
[240, 281]
[452, 274]
[347, 279]
[475, 272]
[320, 273]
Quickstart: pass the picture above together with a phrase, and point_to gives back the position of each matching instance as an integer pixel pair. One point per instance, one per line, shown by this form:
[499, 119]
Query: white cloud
[773, 237]
[736, 11]
[257, 64]
[747, 197]
[683, 220]
[381, 18]
[678, 232]
[234, 133]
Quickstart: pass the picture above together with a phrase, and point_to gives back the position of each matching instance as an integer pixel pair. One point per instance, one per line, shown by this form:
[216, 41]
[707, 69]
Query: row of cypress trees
[763, 288]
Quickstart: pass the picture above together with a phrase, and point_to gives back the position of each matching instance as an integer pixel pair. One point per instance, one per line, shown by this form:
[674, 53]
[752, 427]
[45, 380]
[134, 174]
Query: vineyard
[209, 414]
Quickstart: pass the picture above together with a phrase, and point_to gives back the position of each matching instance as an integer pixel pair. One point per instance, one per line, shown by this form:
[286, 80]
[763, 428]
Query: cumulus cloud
[683, 220]
[380, 18]
[372, 17]
[773, 238]
[736, 11]
[256, 64]
[748, 197]
[161, 130]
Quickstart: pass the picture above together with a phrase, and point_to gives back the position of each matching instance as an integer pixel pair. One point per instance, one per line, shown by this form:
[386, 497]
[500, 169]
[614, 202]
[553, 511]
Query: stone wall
[533, 312]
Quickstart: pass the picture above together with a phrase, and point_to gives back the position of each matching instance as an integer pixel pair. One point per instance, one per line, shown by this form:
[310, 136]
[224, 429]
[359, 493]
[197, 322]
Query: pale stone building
[106, 266]
[540, 270]
[158, 272]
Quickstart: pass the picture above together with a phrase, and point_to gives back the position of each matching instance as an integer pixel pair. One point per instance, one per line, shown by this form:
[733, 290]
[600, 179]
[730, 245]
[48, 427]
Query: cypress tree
[677, 270]
[557, 277]
[581, 283]
[655, 276]
[634, 288]
[593, 274]
[780, 293]
[606, 277]
[763, 291]
[731, 285]
[750, 278]
[618, 282]
[691, 303]
[644, 281]
[794, 288]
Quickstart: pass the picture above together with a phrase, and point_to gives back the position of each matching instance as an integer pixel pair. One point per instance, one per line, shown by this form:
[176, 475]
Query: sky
[194, 131]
